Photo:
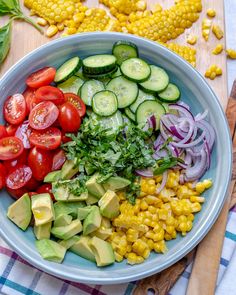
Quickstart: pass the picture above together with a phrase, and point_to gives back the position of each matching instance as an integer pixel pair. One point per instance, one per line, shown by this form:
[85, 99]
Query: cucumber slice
[101, 76]
[117, 73]
[170, 94]
[72, 85]
[148, 108]
[125, 90]
[123, 50]
[157, 81]
[99, 64]
[104, 103]
[130, 114]
[135, 69]
[88, 89]
[66, 70]
[142, 96]
[166, 107]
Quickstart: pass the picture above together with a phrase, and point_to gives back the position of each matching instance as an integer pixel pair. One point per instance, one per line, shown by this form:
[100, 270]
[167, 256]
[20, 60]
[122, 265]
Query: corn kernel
[191, 39]
[51, 31]
[216, 29]
[231, 53]
[41, 21]
[211, 12]
[218, 49]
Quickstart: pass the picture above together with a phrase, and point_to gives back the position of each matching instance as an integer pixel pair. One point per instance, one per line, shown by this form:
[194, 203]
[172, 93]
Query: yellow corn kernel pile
[206, 26]
[213, 71]
[155, 218]
[231, 53]
[218, 49]
[217, 31]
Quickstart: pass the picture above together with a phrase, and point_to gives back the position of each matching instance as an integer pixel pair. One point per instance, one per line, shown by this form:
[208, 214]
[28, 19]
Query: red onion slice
[182, 109]
[163, 182]
[144, 172]
[198, 169]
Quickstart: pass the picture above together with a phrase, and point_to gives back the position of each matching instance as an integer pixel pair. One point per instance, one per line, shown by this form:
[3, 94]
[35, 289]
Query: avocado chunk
[70, 242]
[103, 251]
[83, 212]
[51, 250]
[62, 220]
[74, 198]
[52, 176]
[109, 205]
[91, 200]
[43, 231]
[42, 208]
[70, 208]
[102, 233]
[93, 221]
[116, 183]
[69, 169]
[105, 223]
[94, 188]
[68, 231]
[61, 193]
[20, 212]
[83, 249]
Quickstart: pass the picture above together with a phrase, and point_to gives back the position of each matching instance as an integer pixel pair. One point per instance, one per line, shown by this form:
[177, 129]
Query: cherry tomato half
[30, 99]
[18, 177]
[46, 188]
[3, 131]
[17, 193]
[40, 162]
[2, 176]
[50, 93]
[59, 159]
[65, 138]
[23, 132]
[11, 164]
[10, 148]
[41, 77]
[77, 102]
[43, 115]
[69, 117]
[32, 184]
[11, 129]
[14, 109]
[48, 139]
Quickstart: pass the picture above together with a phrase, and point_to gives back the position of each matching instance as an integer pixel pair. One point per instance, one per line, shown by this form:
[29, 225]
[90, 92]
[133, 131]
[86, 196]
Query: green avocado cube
[70, 242]
[83, 249]
[42, 208]
[52, 176]
[83, 212]
[103, 251]
[20, 213]
[94, 188]
[91, 200]
[69, 169]
[43, 231]
[116, 183]
[62, 220]
[70, 208]
[51, 250]
[68, 231]
[109, 205]
[93, 221]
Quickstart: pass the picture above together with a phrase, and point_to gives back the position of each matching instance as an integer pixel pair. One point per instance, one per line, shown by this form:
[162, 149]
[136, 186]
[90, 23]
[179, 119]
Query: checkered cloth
[19, 277]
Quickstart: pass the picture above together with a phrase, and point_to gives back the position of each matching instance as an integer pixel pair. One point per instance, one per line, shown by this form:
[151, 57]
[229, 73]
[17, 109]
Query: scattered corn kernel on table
[21, 44]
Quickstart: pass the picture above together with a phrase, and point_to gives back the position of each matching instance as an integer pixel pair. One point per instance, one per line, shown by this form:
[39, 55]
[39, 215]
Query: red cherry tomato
[30, 99]
[48, 139]
[32, 184]
[43, 115]
[41, 77]
[2, 176]
[23, 132]
[46, 188]
[17, 193]
[40, 162]
[3, 131]
[59, 159]
[14, 109]
[69, 117]
[65, 138]
[77, 102]
[11, 164]
[10, 148]
[18, 177]
[11, 129]
[50, 93]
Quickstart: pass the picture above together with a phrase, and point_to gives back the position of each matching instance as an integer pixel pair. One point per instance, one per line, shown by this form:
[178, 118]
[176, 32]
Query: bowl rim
[155, 269]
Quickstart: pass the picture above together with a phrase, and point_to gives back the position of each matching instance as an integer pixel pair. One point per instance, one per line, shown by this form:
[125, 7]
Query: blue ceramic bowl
[195, 91]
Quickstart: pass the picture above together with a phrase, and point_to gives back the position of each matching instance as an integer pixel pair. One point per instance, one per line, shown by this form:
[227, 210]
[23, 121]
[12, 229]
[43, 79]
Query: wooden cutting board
[25, 38]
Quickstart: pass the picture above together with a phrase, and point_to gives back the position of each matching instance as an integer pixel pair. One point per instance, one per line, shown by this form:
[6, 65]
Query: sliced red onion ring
[198, 169]
[193, 143]
[209, 131]
[163, 182]
[144, 172]
[182, 109]
[158, 142]
[159, 154]
[200, 116]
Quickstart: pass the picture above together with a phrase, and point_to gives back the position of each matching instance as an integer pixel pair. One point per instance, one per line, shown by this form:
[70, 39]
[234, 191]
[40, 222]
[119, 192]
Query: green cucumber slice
[99, 64]
[88, 89]
[166, 107]
[123, 50]
[104, 103]
[157, 81]
[125, 90]
[71, 85]
[66, 70]
[130, 114]
[142, 96]
[148, 108]
[170, 94]
[135, 69]
[117, 73]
